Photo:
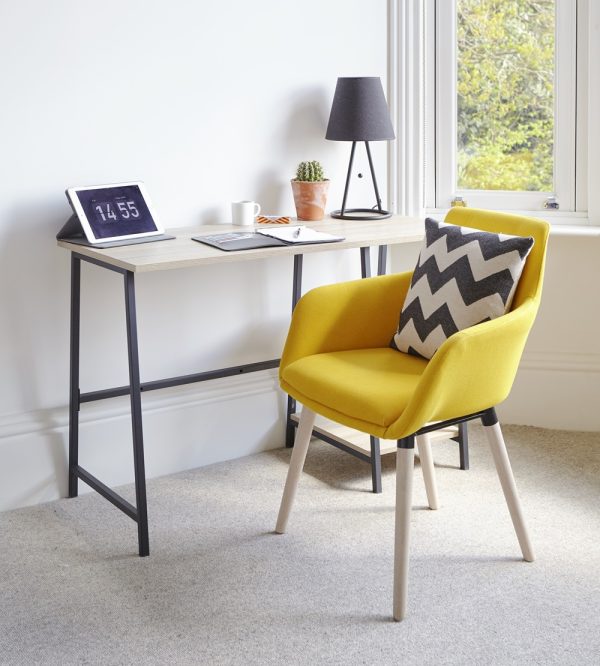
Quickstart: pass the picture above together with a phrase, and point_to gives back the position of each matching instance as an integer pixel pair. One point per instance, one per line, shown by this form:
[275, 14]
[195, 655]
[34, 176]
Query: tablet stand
[72, 232]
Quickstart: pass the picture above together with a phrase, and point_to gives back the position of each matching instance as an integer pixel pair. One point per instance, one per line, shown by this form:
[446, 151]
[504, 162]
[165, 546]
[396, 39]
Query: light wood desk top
[182, 252]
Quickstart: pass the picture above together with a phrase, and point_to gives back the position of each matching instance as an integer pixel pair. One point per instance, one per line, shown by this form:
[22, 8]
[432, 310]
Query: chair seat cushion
[370, 385]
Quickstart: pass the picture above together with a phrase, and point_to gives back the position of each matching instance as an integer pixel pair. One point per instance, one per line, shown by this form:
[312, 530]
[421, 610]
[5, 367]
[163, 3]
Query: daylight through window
[505, 94]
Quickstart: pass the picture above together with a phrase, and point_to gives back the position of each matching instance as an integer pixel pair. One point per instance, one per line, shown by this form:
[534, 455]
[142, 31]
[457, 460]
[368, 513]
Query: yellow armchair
[338, 363]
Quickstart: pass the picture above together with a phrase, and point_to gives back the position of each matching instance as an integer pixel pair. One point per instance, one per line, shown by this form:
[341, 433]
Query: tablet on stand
[111, 215]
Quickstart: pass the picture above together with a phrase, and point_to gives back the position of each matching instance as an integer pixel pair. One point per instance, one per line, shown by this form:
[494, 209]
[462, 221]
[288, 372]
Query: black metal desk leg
[297, 280]
[290, 428]
[136, 416]
[365, 271]
[365, 262]
[381, 265]
[291, 403]
[463, 445]
[74, 375]
[375, 464]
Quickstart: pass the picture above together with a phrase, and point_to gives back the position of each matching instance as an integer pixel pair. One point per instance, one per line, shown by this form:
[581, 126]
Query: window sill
[575, 230]
[562, 223]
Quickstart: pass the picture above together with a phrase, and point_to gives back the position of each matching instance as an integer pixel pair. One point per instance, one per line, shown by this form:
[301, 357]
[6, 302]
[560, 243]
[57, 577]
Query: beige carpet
[221, 588]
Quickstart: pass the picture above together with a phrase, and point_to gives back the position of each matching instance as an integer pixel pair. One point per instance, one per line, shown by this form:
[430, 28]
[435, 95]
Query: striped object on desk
[273, 219]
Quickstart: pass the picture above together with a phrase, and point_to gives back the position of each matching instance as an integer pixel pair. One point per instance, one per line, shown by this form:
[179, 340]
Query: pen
[297, 232]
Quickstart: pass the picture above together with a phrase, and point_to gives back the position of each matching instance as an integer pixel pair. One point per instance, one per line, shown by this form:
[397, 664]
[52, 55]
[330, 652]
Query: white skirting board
[184, 427]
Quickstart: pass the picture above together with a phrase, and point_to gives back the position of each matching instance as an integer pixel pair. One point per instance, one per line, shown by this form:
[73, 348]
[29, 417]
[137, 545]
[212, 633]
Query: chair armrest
[360, 314]
[472, 371]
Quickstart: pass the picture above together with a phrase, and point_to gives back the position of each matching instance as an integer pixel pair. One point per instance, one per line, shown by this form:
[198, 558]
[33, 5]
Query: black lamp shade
[359, 111]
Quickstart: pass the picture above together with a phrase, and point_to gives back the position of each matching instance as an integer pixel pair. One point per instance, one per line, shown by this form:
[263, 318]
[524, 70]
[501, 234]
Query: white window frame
[439, 135]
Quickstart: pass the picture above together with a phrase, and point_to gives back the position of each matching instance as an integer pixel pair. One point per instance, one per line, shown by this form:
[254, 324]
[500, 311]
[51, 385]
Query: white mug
[244, 212]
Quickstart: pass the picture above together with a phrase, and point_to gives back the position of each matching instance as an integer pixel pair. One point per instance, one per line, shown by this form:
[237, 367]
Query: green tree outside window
[505, 88]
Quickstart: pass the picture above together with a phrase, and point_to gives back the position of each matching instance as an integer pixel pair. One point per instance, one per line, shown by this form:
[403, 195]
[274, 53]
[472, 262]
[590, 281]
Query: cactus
[311, 172]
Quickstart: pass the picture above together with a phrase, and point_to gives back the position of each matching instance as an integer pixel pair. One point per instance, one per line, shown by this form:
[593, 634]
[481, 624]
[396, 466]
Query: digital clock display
[116, 211]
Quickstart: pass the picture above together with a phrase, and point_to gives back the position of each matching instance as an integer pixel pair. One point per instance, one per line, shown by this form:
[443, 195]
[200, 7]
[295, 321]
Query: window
[501, 103]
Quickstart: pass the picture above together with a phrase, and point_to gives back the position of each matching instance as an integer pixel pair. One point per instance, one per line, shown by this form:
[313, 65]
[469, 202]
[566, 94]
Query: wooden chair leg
[507, 480]
[305, 427]
[426, 458]
[404, 476]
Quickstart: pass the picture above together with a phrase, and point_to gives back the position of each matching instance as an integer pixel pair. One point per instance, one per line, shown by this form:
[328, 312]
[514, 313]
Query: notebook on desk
[249, 240]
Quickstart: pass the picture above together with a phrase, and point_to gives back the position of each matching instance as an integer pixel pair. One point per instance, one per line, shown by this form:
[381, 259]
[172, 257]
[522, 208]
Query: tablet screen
[118, 210]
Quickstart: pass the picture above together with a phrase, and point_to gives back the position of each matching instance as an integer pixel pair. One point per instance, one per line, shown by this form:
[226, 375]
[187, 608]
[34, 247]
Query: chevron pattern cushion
[463, 277]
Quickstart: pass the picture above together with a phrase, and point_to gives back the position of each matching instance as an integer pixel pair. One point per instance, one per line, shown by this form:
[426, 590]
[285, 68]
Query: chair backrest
[530, 284]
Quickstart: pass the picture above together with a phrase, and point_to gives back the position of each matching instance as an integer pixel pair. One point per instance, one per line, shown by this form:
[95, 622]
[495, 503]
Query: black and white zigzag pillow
[463, 277]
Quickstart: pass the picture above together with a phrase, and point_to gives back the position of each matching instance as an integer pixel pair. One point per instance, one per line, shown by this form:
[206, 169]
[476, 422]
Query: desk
[182, 252]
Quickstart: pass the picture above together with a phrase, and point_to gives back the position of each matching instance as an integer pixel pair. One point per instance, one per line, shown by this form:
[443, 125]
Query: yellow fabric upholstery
[337, 359]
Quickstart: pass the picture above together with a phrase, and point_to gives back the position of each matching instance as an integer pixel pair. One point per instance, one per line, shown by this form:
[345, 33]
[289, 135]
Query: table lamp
[359, 113]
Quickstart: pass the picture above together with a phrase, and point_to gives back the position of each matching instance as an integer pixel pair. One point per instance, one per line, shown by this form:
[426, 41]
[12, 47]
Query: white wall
[207, 103]
[558, 382]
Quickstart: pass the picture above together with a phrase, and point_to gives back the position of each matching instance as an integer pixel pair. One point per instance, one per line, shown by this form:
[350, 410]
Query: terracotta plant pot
[310, 199]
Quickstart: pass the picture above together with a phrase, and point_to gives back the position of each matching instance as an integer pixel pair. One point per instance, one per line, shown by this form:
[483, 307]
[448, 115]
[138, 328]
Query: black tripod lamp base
[361, 214]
